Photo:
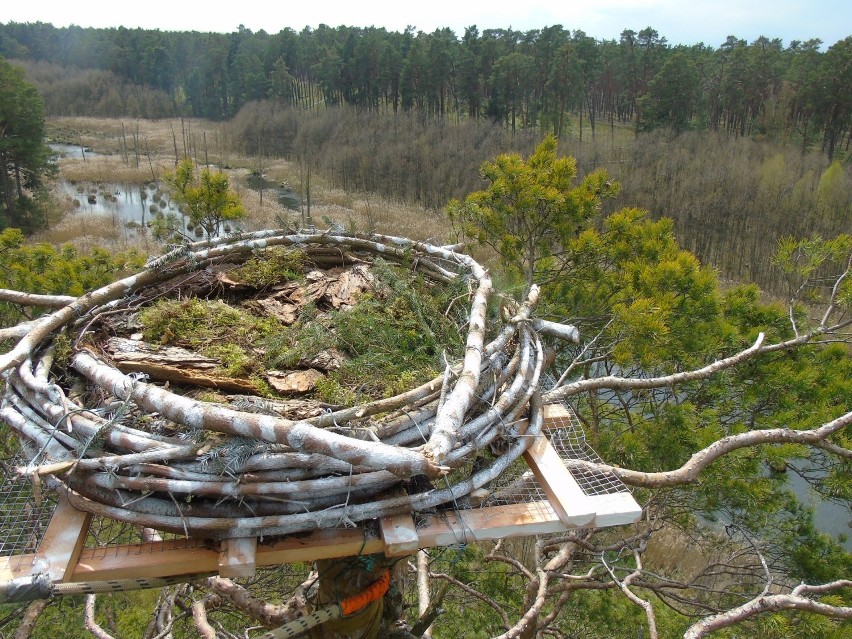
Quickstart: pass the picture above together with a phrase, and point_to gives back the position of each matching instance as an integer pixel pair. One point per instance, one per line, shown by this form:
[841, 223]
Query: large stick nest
[124, 446]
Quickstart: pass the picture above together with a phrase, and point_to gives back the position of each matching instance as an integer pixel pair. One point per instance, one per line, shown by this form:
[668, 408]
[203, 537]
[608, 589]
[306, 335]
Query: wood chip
[286, 382]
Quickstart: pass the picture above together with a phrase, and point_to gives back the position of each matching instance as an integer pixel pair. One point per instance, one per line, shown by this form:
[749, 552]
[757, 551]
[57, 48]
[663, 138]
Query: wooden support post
[565, 495]
[63, 541]
[399, 535]
[557, 416]
[237, 557]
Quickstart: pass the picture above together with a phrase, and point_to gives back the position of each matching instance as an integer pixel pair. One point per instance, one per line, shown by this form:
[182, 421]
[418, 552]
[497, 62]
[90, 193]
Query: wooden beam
[495, 522]
[328, 543]
[63, 541]
[557, 416]
[15, 567]
[237, 557]
[191, 556]
[139, 561]
[568, 499]
[399, 535]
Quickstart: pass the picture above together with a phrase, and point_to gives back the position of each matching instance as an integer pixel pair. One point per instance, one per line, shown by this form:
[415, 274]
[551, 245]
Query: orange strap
[374, 591]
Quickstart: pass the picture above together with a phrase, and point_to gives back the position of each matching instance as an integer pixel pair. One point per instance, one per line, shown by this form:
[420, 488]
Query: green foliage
[272, 266]
[45, 269]
[24, 157]
[531, 209]
[661, 305]
[394, 338]
[208, 199]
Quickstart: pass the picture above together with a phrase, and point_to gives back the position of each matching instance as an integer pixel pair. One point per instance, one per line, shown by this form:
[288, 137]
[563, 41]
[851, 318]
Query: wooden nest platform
[124, 433]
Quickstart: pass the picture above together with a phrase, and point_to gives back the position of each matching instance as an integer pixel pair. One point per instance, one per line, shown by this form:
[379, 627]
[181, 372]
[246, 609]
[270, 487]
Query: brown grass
[354, 211]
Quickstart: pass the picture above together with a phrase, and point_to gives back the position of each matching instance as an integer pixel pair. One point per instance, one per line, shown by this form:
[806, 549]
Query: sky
[679, 21]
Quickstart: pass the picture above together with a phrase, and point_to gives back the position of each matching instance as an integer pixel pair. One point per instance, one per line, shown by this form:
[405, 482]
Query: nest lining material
[282, 475]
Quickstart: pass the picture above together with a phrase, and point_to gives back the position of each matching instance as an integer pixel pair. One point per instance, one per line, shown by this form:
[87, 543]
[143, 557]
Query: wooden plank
[321, 544]
[15, 567]
[568, 499]
[495, 522]
[399, 535]
[237, 557]
[617, 509]
[556, 416]
[63, 541]
[191, 556]
[138, 561]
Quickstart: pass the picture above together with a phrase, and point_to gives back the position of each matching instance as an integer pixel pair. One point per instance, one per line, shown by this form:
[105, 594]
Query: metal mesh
[108, 532]
[569, 440]
[101, 552]
[24, 512]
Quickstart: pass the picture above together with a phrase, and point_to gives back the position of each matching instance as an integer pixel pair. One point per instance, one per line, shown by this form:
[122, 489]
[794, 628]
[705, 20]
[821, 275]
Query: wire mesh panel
[25, 511]
[109, 532]
[569, 440]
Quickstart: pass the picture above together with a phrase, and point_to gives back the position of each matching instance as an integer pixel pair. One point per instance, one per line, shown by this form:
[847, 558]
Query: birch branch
[32, 299]
[689, 472]
[796, 600]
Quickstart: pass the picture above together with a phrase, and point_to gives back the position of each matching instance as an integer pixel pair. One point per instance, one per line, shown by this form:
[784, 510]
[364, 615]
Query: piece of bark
[351, 284]
[285, 313]
[173, 364]
[287, 382]
[292, 292]
[228, 281]
[329, 359]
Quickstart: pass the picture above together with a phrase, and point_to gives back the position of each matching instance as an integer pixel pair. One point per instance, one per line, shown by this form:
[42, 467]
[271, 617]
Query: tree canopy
[24, 158]
[536, 79]
[531, 208]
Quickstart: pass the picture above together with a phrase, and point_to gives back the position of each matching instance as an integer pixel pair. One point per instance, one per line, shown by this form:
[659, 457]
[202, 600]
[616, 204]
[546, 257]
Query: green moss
[393, 339]
[212, 328]
[272, 266]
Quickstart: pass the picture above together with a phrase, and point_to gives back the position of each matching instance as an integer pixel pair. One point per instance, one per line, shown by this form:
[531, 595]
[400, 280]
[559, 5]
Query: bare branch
[577, 360]
[31, 299]
[534, 611]
[630, 383]
[29, 619]
[475, 593]
[199, 616]
[625, 588]
[690, 471]
[91, 625]
[834, 292]
[796, 600]
[269, 614]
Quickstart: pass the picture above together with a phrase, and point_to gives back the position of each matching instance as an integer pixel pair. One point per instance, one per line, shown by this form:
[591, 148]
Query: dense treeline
[732, 199]
[529, 79]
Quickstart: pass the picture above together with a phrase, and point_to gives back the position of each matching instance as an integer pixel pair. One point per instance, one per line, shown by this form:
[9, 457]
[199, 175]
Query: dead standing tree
[342, 467]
